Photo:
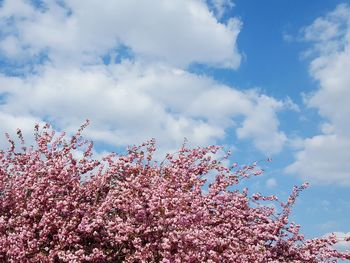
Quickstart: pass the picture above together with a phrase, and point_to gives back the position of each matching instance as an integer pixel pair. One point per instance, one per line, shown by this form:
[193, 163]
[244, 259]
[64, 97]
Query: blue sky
[263, 78]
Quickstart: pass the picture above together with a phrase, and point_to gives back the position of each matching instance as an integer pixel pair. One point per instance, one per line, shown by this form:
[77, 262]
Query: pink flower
[131, 209]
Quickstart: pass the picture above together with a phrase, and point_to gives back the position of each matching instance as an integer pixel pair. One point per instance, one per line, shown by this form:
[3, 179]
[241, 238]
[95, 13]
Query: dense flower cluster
[56, 207]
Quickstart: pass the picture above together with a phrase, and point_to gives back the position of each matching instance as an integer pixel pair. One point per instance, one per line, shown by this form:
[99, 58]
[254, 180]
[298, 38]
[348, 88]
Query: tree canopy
[58, 207]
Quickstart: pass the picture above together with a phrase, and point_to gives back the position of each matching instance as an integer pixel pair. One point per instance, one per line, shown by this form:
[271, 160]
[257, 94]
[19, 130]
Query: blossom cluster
[57, 207]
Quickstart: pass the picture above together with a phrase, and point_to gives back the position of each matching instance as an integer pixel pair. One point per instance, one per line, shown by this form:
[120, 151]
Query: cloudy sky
[263, 78]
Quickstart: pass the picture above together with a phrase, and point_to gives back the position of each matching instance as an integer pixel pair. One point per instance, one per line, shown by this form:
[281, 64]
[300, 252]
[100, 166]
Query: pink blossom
[58, 208]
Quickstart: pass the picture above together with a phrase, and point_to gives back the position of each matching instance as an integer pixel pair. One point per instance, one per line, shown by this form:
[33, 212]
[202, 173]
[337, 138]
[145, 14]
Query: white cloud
[148, 95]
[261, 125]
[11, 47]
[85, 29]
[325, 158]
[328, 27]
[131, 102]
[289, 104]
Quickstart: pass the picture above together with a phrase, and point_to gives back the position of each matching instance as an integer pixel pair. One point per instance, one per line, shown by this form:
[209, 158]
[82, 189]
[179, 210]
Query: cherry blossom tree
[57, 207]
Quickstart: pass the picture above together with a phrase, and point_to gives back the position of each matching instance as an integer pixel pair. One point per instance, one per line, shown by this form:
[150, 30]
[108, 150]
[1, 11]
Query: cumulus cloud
[325, 158]
[129, 103]
[86, 30]
[261, 127]
[149, 94]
